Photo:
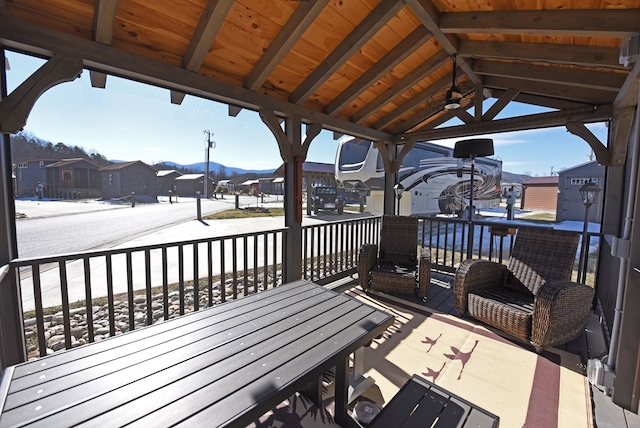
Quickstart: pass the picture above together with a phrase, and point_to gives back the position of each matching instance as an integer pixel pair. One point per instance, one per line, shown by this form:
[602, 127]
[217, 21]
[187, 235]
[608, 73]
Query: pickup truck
[326, 198]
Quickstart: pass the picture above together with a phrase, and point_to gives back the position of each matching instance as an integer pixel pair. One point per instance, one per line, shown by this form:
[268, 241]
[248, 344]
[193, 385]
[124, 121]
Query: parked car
[326, 198]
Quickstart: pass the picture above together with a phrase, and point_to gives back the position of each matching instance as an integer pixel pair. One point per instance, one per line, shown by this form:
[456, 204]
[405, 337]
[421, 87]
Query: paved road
[57, 227]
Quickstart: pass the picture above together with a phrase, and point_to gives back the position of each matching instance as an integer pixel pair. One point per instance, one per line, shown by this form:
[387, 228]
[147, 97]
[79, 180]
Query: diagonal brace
[603, 155]
[15, 109]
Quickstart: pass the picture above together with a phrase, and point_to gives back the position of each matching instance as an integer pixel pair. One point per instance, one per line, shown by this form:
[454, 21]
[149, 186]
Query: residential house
[167, 181]
[31, 173]
[189, 184]
[120, 180]
[73, 179]
[230, 185]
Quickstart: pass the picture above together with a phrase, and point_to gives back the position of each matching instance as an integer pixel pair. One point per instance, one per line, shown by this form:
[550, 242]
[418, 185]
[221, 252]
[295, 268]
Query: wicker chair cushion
[508, 310]
[528, 270]
[393, 278]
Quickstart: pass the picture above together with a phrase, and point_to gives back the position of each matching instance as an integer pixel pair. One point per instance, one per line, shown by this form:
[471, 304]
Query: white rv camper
[434, 181]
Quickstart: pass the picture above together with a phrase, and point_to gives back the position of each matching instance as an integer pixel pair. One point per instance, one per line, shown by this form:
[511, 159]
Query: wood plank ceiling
[370, 68]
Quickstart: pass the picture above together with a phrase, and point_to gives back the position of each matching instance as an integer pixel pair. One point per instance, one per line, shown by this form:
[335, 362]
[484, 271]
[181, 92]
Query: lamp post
[589, 194]
[472, 149]
[398, 189]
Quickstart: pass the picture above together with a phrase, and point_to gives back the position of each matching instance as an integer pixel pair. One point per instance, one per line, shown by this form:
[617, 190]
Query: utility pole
[209, 144]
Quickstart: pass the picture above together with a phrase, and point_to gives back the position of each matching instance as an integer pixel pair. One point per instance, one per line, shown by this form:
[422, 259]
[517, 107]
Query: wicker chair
[533, 297]
[396, 267]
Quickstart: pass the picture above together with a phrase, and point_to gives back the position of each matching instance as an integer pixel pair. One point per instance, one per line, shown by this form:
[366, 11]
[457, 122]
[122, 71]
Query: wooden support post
[293, 151]
[12, 344]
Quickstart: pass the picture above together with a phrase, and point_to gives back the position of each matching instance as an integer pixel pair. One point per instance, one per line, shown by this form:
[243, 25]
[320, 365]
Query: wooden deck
[591, 344]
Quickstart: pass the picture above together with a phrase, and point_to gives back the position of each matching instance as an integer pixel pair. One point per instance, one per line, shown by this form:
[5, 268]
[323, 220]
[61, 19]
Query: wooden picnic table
[222, 366]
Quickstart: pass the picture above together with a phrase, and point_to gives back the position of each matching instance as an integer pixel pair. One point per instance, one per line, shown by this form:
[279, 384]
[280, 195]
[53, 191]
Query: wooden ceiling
[369, 68]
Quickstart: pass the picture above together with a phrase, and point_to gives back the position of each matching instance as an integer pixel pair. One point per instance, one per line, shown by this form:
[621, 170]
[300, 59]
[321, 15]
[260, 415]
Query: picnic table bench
[421, 403]
[222, 366]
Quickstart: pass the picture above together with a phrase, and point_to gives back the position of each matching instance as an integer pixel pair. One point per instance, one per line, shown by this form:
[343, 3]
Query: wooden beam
[542, 101]
[591, 79]
[15, 108]
[387, 152]
[587, 56]
[463, 115]
[298, 23]
[289, 149]
[628, 94]
[620, 134]
[504, 99]
[603, 156]
[98, 80]
[103, 18]
[429, 16]
[234, 110]
[424, 114]
[478, 103]
[520, 123]
[360, 35]
[414, 102]
[270, 119]
[210, 22]
[616, 23]
[553, 90]
[177, 97]
[399, 53]
[17, 34]
[414, 76]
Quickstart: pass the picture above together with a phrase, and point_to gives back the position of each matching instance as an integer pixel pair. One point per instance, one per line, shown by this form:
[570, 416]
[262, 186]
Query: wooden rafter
[430, 18]
[425, 114]
[601, 23]
[349, 45]
[402, 50]
[411, 104]
[208, 26]
[298, 23]
[402, 85]
[16, 33]
[210, 22]
[103, 18]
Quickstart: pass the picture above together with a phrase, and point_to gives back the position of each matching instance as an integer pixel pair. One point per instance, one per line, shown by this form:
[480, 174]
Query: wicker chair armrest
[560, 312]
[366, 261]
[473, 275]
[424, 272]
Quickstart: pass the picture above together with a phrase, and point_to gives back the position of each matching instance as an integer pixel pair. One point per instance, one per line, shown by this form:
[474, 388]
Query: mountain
[509, 177]
[215, 167]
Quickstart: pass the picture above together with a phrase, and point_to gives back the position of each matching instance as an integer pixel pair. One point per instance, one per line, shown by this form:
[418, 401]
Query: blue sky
[133, 121]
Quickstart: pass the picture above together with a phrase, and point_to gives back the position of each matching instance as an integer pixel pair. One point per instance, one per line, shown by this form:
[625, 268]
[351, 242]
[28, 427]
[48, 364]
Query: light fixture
[453, 97]
[588, 193]
[398, 189]
[470, 149]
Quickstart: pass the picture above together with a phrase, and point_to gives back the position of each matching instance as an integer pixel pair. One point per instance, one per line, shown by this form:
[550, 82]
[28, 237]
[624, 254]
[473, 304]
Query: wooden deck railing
[71, 299]
[447, 238]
